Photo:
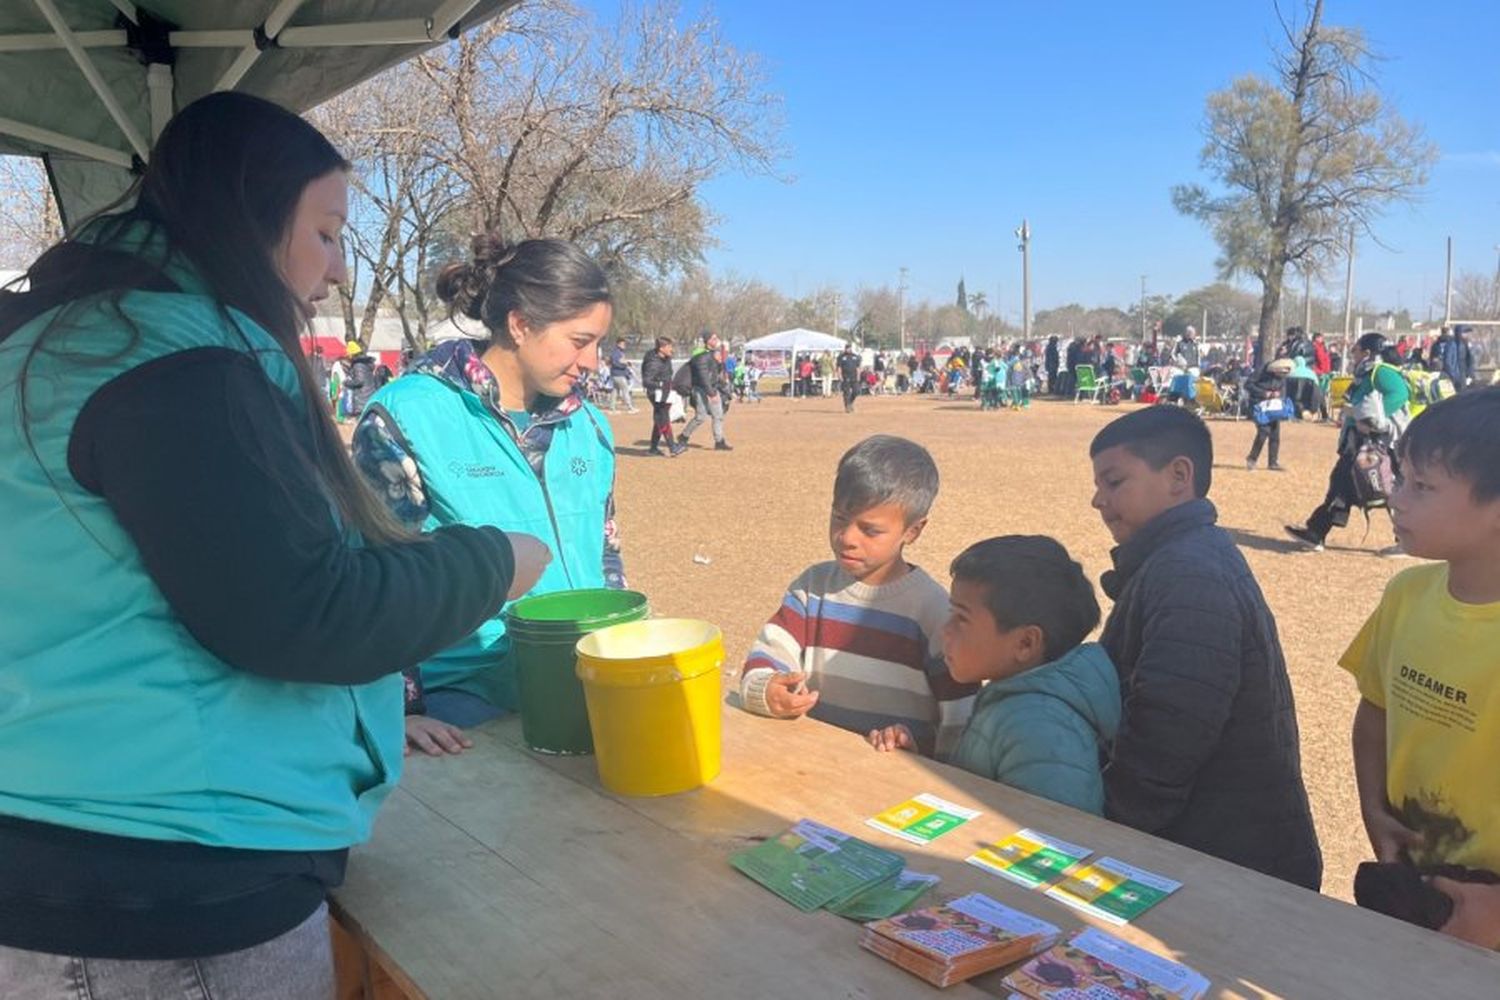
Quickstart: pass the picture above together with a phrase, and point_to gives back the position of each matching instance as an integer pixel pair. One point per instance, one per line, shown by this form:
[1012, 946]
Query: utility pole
[1024, 234]
[901, 296]
[1307, 303]
[1448, 286]
[1349, 292]
[835, 313]
[1143, 313]
[1205, 324]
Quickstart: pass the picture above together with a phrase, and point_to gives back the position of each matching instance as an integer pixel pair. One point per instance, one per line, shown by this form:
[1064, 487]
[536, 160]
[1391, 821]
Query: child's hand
[1388, 835]
[1476, 912]
[434, 738]
[787, 696]
[896, 737]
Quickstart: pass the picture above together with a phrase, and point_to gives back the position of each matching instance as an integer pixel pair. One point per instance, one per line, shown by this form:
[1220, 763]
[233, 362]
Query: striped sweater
[874, 654]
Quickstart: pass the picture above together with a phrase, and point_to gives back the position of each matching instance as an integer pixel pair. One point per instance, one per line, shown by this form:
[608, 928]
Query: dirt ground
[759, 513]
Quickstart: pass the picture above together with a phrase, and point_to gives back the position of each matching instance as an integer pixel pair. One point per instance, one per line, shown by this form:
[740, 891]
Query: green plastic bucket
[544, 632]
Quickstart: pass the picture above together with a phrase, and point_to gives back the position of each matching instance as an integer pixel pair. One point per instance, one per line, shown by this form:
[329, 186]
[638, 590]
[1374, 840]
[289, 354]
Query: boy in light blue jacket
[1020, 610]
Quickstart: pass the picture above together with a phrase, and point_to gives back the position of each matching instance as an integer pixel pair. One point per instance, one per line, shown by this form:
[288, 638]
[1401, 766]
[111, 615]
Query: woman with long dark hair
[208, 613]
[499, 433]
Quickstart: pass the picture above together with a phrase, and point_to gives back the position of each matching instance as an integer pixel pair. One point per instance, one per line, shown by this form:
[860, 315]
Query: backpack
[1374, 475]
[682, 380]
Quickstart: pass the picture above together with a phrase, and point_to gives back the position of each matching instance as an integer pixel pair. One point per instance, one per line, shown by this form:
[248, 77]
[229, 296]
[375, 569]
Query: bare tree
[29, 221]
[403, 195]
[559, 128]
[1305, 158]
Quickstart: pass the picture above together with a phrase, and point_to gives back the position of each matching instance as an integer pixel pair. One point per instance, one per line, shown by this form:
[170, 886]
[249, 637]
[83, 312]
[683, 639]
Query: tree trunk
[1270, 301]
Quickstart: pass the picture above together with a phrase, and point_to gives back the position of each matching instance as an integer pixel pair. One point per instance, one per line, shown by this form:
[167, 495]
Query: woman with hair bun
[498, 433]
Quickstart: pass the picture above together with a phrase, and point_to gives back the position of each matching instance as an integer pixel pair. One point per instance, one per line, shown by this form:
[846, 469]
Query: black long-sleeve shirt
[197, 454]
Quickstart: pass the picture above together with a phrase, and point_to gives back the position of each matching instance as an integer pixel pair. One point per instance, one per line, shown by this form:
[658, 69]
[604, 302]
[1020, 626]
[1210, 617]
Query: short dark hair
[663, 342]
[1158, 434]
[886, 469]
[1031, 580]
[1462, 434]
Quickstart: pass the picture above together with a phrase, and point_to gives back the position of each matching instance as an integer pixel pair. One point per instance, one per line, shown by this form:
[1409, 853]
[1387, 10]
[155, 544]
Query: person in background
[1376, 412]
[656, 377]
[620, 378]
[826, 368]
[1268, 385]
[1187, 354]
[359, 384]
[1322, 361]
[707, 377]
[849, 380]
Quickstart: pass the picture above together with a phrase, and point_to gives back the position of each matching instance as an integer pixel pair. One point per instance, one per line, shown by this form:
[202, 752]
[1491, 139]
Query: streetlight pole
[1024, 234]
[1143, 314]
[901, 296]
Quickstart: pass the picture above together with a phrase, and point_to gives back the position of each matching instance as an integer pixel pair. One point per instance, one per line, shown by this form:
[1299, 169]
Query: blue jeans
[298, 965]
[459, 708]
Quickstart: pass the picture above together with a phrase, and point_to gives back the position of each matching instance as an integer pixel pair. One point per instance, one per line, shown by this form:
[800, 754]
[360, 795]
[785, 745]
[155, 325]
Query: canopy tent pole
[41, 41]
[66, 143]
[159, 85]
[128, 9]
[279, 17]
[91, 73]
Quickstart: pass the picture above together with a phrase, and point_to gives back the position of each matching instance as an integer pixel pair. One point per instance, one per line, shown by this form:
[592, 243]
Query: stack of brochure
[813, 866]
[958, 940]
[1094, 964]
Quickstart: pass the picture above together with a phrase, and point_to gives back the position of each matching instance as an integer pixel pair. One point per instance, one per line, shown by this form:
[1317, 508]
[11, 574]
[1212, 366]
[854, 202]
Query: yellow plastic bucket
[653, 695]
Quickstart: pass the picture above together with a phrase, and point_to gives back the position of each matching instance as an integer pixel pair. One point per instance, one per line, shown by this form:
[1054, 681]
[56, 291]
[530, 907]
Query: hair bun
[463, 286]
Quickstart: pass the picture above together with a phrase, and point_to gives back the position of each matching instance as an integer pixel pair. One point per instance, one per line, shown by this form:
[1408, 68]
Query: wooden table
[505, 873]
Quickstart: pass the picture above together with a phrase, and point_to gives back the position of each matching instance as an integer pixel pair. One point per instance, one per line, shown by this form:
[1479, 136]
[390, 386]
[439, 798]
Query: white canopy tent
[796, 341]
[87, 85]
[774, 353]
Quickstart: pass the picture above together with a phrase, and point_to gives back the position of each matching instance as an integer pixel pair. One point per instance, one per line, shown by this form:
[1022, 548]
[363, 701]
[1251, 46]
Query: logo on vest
[475, 470]
[580, 466]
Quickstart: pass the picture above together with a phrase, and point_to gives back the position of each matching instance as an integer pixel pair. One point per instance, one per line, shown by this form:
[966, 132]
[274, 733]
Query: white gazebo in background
[774, 353]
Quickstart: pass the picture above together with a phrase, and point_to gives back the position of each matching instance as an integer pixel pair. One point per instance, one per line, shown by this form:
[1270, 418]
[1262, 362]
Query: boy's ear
[1031, 645]
[1181, 471]
[913, 531]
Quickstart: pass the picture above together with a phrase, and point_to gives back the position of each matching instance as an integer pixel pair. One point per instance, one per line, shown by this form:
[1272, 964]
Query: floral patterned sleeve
[381, 456]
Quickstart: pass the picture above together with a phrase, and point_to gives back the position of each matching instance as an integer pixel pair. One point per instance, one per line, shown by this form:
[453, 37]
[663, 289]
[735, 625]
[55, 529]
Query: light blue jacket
[112, 717]
[1042, 731]
[472, 471]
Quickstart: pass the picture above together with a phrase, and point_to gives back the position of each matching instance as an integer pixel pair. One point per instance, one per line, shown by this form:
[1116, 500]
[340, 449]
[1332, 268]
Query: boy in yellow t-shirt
[1427, 730]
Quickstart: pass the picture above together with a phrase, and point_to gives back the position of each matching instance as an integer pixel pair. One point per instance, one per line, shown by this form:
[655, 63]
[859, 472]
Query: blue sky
[921, 133]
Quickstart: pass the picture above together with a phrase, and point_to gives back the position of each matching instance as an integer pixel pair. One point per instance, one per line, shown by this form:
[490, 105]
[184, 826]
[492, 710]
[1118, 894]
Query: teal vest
[112, 717]
[474, 473]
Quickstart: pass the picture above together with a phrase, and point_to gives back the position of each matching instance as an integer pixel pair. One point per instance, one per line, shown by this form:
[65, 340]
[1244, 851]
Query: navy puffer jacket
[1207, 753]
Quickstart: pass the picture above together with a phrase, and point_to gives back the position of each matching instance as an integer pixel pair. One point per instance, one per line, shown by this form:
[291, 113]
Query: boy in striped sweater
[857, 642]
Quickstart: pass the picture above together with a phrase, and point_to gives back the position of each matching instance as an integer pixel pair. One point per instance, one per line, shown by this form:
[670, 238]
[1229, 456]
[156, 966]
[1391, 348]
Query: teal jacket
[113, 718]
[1042, 731]
[439, 444]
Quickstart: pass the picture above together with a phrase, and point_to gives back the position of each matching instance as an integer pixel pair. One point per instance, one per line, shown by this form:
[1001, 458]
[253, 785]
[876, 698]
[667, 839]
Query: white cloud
[1484, 157]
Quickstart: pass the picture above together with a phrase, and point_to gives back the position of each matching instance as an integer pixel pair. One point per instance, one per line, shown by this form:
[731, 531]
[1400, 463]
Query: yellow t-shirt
[1433, 664]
